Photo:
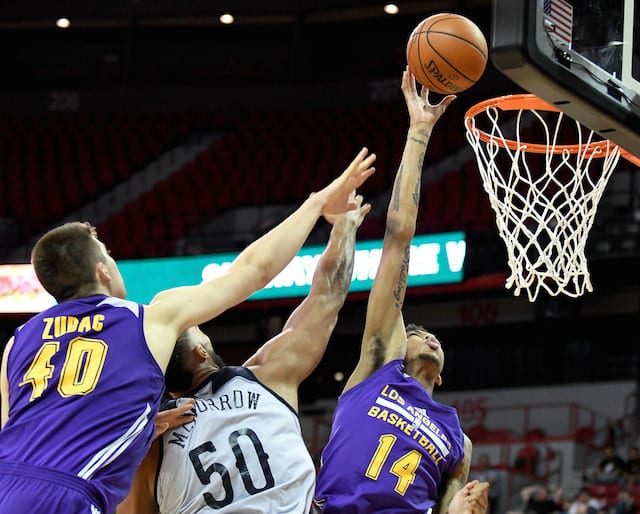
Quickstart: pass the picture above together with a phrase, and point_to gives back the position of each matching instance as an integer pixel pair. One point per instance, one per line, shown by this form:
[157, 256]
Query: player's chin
[429, 357]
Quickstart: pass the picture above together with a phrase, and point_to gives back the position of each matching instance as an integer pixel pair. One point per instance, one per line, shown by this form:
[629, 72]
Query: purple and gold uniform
[389, 447]
[84, 390]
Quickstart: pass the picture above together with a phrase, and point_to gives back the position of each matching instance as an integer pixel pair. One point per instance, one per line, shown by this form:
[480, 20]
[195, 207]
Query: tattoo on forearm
[402, 279]
[416, 193]
[395, 203]
[419, 141]
[422, 140]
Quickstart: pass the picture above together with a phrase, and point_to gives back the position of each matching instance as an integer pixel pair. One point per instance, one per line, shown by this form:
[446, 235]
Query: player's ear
[103, 273]
[439, 380]
[200, 352]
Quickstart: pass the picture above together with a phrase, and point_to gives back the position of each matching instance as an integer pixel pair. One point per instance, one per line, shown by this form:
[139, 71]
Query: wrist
[315, 202]
[421, 125]
[345, 222]
[420, 131]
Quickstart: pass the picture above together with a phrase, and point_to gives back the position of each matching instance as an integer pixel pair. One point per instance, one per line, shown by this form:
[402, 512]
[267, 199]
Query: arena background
[274, 106]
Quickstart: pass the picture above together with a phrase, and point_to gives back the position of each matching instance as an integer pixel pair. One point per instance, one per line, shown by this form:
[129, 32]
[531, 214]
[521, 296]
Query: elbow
[256, 269]
[401, 229]
[263, 275]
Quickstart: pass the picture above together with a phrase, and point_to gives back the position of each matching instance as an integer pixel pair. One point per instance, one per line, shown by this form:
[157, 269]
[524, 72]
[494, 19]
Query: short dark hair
[411, 327]
[178, 377]
[64, 259]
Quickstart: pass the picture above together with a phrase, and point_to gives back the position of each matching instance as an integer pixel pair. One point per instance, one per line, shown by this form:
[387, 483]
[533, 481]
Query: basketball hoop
[543, 193]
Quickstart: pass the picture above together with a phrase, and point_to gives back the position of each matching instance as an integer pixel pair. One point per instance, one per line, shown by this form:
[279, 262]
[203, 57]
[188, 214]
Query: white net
[544, 192]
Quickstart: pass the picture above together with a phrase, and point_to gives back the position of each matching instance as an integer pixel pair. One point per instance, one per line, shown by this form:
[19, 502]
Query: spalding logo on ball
[447, 53]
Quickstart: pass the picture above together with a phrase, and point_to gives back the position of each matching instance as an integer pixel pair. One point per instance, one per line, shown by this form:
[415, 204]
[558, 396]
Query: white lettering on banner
[456, 250]
[299, 272]
[424, 259]
[370, 265]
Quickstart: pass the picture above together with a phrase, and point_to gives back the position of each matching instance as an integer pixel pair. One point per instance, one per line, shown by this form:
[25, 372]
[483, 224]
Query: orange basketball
[447, 53]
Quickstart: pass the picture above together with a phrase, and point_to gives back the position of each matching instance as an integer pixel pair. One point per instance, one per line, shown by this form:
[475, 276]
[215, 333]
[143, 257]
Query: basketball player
[391, 445]
[82, 381]
[244, 451]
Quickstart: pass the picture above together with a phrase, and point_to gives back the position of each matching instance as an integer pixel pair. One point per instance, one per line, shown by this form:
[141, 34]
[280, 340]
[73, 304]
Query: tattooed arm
[384, 336]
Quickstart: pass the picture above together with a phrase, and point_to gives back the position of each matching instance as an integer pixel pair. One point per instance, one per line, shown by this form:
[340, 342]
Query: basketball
[447, 53]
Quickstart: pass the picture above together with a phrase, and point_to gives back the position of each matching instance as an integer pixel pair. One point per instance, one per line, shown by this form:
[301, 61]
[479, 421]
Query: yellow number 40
[80, 372]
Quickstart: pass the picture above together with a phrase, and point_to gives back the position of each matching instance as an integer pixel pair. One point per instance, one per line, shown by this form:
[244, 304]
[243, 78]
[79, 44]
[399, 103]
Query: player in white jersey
[252, 459]
[244, 453]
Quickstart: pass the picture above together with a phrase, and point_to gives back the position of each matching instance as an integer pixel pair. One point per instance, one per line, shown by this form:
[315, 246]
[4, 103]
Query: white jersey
[243, 454]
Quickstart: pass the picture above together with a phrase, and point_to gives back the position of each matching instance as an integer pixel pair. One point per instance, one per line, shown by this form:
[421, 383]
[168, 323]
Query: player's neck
[427, 384]
[86, 292]
[424, 377]
[422, 372]
[202, 374]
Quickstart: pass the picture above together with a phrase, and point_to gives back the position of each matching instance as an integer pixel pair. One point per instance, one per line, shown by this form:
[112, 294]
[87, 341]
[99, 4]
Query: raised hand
[420, 110]
[339, 195]
[357, 214]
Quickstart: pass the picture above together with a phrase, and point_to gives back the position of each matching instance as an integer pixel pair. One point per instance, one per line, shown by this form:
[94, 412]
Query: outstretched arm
[287, 359]
[384, 336]
[174, 310]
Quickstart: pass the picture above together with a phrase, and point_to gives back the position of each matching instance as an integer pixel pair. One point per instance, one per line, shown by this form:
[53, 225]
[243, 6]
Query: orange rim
[633, 159]
[533, 103]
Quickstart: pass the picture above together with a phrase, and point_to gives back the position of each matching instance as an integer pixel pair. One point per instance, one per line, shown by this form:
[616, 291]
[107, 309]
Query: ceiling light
[391, 9]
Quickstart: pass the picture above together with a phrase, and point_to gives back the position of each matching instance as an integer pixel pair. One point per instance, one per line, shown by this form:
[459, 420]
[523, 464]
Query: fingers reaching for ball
[420, 109]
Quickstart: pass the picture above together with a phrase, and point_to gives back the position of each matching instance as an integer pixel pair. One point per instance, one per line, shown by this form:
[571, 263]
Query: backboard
[582, 56]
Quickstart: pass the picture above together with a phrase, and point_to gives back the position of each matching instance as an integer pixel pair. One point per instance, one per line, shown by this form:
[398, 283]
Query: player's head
[70, 262]
[424, 354]
[193, 357]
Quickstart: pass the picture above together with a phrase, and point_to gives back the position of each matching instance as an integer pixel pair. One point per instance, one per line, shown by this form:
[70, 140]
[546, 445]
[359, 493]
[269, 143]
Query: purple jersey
[390, 444]
[84, 390]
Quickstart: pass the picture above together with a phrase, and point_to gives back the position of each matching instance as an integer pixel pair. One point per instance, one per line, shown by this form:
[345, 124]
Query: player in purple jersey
[81, 381]
[392, 448]
[170, 479]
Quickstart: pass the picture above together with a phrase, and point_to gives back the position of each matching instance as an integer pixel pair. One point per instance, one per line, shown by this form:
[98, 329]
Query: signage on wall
[435, 259]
